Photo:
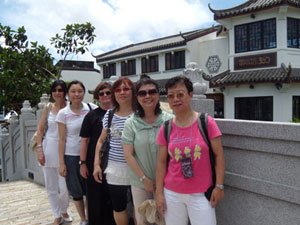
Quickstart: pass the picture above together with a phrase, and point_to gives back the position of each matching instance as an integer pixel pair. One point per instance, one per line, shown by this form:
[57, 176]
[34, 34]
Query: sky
[117, 22]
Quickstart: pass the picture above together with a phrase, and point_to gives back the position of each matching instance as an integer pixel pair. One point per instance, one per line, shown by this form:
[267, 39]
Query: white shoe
[84, 222]
[67, 219]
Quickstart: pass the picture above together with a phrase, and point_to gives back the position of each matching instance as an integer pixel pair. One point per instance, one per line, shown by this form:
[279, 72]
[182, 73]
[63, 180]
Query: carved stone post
[199, 102]
[26, 114]
[4, 139]
[44, 101]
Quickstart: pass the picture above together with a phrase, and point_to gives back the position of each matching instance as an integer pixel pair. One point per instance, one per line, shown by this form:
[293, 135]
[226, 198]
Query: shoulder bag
[33, 142]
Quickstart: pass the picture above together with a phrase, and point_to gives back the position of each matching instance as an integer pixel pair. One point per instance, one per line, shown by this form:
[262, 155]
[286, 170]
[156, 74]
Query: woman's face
[104, 96]
[123, 94]
[76, 93]
[178, 98]
[148, 96]
[58, 93]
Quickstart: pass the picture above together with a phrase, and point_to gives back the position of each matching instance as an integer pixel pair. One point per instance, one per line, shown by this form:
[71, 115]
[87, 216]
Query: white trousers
[196, 207]
[56, 189]
[140, 195]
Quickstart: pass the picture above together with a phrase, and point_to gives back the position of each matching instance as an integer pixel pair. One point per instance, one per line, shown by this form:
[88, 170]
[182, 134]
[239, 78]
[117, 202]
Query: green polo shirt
[143, 137]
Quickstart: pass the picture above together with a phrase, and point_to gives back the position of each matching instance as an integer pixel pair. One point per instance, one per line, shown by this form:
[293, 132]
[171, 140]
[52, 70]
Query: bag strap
[110, 116]
[90, 107]
[203, 127]
[167, 129]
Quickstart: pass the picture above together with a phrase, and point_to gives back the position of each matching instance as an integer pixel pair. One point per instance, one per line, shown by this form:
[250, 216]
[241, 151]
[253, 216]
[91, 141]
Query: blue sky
[117, 22]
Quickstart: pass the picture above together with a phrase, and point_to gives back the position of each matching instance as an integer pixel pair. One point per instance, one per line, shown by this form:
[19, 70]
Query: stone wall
[262, 173]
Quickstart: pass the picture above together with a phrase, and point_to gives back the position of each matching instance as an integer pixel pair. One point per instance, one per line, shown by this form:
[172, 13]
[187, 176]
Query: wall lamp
[251, 86]
[278, 86]
[222, 89]
[252, 16]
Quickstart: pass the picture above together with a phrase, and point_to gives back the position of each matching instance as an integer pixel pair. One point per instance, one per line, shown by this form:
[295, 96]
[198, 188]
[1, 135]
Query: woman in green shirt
[139, 143]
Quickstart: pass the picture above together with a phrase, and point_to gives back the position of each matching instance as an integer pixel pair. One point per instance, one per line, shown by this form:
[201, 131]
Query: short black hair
[180, 79]
[76, 82]
[139, 109]
[58, 83]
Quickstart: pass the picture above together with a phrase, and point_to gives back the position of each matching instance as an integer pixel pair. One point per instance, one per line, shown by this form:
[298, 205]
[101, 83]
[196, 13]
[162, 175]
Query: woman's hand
[148, 185]
[84, 171]
[161, 204]
[40, 156]
[63, 170]
[97, 173]
[216, 196]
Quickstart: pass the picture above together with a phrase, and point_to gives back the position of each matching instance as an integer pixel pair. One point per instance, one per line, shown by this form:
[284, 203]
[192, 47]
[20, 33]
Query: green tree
[75, 39]
[26, 69]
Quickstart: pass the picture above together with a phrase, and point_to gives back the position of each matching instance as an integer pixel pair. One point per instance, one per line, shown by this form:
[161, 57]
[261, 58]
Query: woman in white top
[48, 157]
[69, 121]
[117, 174]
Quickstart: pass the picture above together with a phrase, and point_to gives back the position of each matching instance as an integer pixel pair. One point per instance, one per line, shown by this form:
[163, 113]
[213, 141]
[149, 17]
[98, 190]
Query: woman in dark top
[99, 207]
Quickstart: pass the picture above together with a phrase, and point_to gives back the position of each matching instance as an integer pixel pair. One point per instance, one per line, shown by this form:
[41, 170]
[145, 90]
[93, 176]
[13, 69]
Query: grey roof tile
[156, 44]
[256, 76]
[251, 6]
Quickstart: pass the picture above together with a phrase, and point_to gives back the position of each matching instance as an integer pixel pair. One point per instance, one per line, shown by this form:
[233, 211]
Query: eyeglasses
[125, 89]
[58, 90]
[101, 93]
[143, 93]
[178, 95]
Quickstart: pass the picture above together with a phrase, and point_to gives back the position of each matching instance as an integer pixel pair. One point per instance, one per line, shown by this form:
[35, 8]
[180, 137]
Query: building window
[150, 64]
[128, 67]
[296, 107]
[255, 36]
[109, 70]
[293, 33]
[254, 108]
[175, 60]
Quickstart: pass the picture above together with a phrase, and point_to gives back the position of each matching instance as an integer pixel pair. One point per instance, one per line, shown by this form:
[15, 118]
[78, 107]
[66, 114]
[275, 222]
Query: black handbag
[106, 145]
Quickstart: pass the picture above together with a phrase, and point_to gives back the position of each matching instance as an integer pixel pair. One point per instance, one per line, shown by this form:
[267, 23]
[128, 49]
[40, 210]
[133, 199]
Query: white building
[252, 59]
[167, 57]
[83, 71]
[262, 81]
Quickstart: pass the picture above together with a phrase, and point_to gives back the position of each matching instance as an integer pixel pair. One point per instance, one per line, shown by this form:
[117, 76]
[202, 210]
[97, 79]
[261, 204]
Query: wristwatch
[142, 178]
[220, 186]
[81, 162]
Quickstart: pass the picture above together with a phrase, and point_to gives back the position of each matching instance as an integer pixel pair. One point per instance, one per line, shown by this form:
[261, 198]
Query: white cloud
[117, 22]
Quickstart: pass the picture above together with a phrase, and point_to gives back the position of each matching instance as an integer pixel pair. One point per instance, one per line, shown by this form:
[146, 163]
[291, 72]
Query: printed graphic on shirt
[197, 152]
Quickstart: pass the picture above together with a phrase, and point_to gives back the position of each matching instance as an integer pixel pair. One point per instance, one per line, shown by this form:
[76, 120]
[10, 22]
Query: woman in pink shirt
[182, 181]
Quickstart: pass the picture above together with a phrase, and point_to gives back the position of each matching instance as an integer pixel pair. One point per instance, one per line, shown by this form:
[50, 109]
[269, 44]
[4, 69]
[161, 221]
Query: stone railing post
[199, 102]
[3, 137]
[26, 114]
[44, 101]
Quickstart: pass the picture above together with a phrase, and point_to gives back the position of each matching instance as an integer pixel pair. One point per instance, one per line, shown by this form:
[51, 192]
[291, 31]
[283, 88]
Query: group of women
[142, 163]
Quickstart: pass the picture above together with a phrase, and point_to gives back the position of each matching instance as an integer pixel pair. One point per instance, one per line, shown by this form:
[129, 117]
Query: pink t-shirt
[188, 142]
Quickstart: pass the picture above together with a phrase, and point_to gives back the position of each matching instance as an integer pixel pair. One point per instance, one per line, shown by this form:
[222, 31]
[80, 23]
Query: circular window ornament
[213, 64]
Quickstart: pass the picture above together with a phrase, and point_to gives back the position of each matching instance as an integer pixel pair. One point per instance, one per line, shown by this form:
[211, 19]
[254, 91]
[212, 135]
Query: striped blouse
[116, 152]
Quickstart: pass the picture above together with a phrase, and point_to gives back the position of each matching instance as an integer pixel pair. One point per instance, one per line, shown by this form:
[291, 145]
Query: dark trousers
[100, 210]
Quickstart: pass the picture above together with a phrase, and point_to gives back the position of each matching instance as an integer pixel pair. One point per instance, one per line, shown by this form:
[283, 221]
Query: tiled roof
[277, 75]
[252, 6]
[156, 44]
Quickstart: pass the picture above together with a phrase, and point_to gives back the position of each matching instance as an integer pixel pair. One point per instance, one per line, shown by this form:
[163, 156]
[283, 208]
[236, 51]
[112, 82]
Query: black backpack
[202, 124]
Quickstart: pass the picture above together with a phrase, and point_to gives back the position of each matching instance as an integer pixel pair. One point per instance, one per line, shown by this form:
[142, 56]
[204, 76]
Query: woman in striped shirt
[117, 174]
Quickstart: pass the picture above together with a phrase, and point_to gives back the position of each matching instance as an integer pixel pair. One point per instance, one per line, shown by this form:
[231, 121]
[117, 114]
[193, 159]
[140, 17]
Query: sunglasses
[144, 93]
[101, 93]
[178, 95]
[125, 89]
[58, 90]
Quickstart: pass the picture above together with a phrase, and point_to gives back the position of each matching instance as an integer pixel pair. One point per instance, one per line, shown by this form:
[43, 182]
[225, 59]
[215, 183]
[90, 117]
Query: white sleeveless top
[50, 143]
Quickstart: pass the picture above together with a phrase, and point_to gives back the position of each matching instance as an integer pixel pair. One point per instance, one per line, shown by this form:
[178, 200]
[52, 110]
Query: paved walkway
[26, 203]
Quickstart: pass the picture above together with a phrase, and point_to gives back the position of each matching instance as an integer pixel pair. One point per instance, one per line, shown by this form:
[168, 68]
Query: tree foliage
[26, 69]
[75, 40]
